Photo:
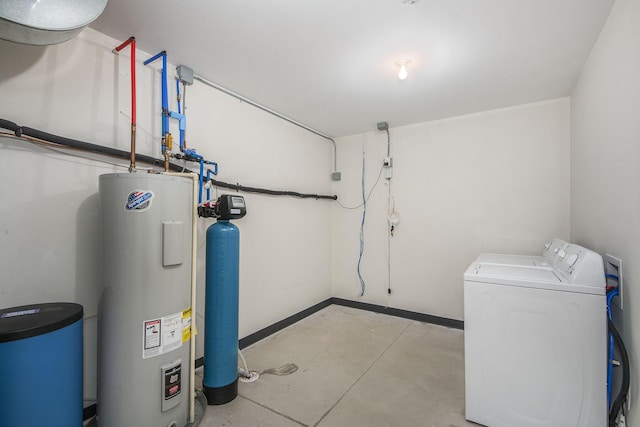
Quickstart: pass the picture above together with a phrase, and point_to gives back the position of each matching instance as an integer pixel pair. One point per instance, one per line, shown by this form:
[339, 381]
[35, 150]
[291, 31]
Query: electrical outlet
[387, 164]
[613, 267]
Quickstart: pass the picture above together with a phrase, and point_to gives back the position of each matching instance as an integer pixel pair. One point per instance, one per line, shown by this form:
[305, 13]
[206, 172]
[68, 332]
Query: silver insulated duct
[45, 22]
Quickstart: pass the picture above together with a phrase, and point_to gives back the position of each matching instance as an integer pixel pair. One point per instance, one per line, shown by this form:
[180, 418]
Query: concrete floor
[355, 368]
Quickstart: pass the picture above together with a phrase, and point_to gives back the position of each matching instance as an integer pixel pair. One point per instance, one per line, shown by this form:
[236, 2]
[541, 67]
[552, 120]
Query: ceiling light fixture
[410, 1]
[402, 64]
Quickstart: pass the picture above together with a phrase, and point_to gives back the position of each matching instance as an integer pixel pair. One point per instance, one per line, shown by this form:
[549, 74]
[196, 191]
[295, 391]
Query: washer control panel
[551, 250]
[580, 266]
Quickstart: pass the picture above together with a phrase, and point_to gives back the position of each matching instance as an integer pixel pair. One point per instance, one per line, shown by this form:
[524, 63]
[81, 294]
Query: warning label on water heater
[186, 325]
[162, 335]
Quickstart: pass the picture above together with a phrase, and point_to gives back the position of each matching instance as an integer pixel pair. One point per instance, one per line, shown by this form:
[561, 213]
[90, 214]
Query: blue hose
[610, 296]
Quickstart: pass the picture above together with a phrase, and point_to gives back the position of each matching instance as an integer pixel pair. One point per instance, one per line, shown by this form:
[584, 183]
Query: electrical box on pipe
[145, 306]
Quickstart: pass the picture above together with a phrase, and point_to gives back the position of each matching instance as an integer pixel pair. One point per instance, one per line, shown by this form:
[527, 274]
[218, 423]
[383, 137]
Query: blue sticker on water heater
[139, 200]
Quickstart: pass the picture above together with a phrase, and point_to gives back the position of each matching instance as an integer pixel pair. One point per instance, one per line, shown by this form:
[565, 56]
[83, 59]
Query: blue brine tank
[41, 365]
[221, 313]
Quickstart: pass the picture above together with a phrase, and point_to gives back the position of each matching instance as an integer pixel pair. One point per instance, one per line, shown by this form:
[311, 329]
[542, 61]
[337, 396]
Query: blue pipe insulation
[165, 95]
[182, 125]
[610, 296]
[166, 113]
[200, 181]
[221, 313]
[164, 90]
[154, 57]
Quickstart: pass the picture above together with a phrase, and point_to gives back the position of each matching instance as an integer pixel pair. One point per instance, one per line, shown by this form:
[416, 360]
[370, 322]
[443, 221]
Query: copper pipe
[132, 165]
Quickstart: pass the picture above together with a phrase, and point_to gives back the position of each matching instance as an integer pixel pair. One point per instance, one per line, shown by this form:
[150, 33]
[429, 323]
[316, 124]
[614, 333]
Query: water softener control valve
[230, 206]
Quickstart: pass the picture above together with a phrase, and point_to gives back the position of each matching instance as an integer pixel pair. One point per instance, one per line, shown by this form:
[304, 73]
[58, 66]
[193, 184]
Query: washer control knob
[562, 254]
[572, 260]
[547, 246]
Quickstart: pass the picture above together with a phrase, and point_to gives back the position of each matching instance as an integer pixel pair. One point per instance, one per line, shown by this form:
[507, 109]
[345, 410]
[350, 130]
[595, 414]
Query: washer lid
[508, 259]
[529, 277]
[28, 321]
[517, 272]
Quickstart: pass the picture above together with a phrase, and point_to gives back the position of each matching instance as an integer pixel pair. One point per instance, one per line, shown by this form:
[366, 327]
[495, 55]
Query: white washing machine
[536, 343]
[547, 259]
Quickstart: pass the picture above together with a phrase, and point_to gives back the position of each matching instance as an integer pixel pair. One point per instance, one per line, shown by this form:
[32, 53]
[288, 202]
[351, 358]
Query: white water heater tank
[144, 322]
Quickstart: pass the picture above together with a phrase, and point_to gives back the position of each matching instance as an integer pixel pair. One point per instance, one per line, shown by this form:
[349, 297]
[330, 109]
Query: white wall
[496, 181]
[48, 217]
[605, 161]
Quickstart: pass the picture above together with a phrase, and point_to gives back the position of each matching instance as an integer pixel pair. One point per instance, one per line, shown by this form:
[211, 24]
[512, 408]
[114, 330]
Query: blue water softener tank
[221, 304]
[41, 365]
[221, 313]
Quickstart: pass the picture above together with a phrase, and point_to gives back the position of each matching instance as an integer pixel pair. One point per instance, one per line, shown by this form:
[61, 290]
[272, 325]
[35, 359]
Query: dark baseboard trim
[412, 315]
[278, 326]
[406, 314]
[88, 412]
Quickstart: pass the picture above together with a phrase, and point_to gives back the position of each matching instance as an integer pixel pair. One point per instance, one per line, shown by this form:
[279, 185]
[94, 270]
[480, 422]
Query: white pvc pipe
[272, 112]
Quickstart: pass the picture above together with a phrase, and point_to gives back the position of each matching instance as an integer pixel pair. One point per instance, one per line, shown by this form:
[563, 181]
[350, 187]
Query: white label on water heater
[162, 335]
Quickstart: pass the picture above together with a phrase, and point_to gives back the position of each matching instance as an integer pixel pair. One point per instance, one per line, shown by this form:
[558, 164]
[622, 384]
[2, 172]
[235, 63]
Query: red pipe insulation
[132, 42]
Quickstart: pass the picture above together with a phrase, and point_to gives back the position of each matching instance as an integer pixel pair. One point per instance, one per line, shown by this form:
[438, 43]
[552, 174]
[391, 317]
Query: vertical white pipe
[194, 248]
[194, 256]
